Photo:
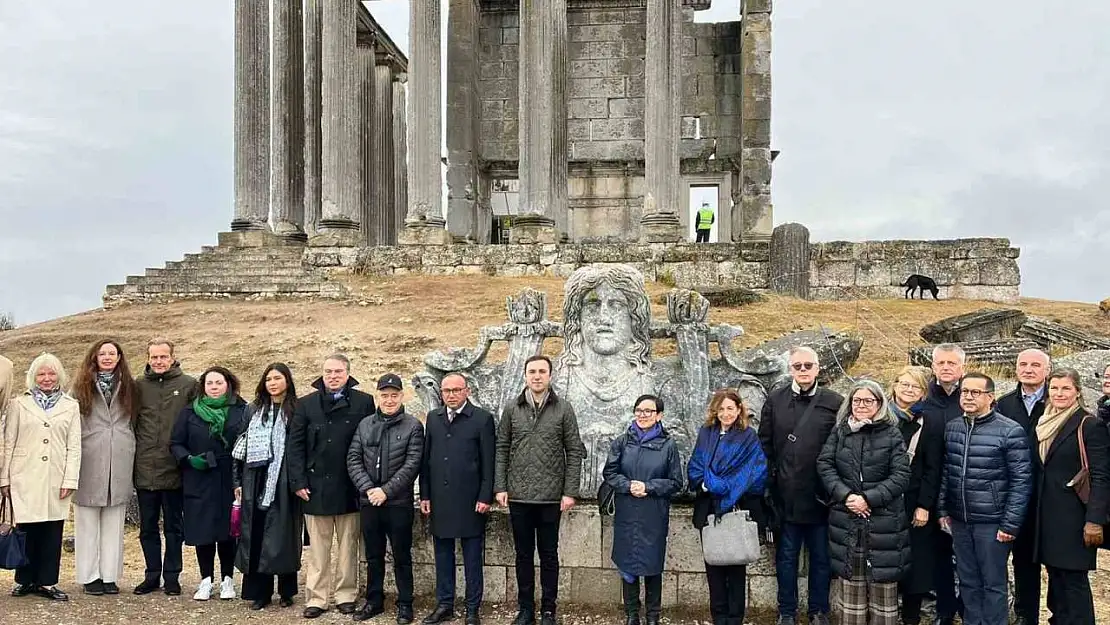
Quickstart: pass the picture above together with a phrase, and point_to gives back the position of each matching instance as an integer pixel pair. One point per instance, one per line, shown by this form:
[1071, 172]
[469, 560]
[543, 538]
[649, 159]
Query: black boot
[653, 599]
[631, 593]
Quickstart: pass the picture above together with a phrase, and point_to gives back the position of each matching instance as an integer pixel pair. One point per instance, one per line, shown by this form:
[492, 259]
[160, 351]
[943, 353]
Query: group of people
[896, 493]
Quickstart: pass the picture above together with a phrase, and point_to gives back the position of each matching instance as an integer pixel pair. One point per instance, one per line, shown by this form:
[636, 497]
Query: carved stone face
[606, 321]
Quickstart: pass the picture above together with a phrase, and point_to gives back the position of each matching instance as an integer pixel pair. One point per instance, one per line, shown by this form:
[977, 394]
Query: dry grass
[389, 324]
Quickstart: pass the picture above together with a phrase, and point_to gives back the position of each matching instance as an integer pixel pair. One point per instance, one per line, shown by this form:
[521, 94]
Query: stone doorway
[708, 194]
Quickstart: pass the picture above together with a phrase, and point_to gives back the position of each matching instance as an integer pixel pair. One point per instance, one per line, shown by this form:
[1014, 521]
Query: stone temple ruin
[575, 131]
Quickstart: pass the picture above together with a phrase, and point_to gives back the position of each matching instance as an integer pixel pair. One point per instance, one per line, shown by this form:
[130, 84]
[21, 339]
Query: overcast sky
[895, 120]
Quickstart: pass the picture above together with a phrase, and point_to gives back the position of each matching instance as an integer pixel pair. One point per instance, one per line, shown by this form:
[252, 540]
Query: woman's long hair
[711, 420]
[85, 390]
[1067, 373]
[262, 399]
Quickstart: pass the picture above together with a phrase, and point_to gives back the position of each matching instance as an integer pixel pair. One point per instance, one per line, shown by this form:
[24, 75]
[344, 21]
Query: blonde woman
[39, 472]
[924, 438]
[865, 470]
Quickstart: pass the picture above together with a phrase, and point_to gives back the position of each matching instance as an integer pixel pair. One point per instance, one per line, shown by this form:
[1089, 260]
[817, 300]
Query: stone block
[491, 70]
[604, 32]
[596, 88]
[980, 325]
[626, 107]
[684, 553]
[616, 129]
[499, 539]
[756, 6]
[595, 587]
[624, 67]
[607, 150]
[589, 68]
[493, 109]
[757, 133]
[999, 294]
[510, 36]
[423, 235]
[966, 272]
[336, 238]
[581, 527]
[691, 274]
[833, 274]
[693, 589]
[999, 272]
[578, 50]
[636, 86]
[872, 274]
[578, 129]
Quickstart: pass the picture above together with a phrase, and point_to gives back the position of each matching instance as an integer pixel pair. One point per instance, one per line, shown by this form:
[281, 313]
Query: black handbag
[606, 499]
[13, 541]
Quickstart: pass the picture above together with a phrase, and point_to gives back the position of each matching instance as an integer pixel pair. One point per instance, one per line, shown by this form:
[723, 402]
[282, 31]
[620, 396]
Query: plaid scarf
[46, 399]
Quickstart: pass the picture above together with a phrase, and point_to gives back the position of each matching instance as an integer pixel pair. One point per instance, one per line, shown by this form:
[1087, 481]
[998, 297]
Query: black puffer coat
[872, 463]
[386, 452]
[987, 473]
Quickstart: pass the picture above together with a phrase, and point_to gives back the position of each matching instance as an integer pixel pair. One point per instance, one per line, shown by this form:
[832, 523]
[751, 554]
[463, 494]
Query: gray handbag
[731, 540]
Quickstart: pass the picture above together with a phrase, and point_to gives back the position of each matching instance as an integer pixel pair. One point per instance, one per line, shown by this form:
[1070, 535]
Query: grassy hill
[389, 324]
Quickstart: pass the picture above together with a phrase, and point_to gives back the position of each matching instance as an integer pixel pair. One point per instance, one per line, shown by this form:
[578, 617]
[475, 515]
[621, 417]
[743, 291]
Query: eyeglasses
[644, 412]
[973, 393]
[864, 401]
[907, 386]
[803, 366]
[452, 391]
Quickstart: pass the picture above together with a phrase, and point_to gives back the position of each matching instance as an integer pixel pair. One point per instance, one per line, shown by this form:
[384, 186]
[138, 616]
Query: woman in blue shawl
[644, 471]
[727, 471]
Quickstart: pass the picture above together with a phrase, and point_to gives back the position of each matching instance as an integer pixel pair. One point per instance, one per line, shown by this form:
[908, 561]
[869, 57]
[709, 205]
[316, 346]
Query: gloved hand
[198, 463]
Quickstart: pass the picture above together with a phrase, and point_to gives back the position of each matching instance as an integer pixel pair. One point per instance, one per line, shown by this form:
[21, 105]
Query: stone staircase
[246, 265]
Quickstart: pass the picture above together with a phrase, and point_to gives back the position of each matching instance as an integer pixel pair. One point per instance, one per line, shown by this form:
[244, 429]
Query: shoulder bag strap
[1083, 445]
[800, 425]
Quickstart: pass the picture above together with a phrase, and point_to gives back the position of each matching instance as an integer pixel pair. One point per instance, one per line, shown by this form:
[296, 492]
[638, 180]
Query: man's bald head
[1033, 366]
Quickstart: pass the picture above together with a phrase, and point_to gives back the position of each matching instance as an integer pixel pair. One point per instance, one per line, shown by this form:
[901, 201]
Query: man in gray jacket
[537, 475]
[384, 461]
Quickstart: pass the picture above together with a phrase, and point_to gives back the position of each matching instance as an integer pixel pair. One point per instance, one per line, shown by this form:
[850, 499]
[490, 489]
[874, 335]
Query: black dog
[924, 283]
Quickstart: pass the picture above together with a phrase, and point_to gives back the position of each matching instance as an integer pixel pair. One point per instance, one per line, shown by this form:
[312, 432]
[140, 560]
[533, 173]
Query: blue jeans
[472, 551]
[981, 566]
[815, 537]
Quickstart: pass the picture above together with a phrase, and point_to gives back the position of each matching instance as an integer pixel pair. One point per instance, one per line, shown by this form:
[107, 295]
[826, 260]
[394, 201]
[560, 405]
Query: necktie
[450, 416]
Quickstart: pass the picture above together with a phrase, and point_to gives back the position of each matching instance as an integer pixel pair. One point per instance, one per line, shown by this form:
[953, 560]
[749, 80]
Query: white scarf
[264, 446]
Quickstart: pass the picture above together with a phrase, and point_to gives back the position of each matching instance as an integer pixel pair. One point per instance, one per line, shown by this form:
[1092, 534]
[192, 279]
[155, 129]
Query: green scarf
[213, 410]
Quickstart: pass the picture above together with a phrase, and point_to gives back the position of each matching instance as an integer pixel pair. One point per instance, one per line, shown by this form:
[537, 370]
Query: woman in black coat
[1068, 531]
[865, 470]
[644, 470]
[924, 438]
[201, 442]
[272, 520]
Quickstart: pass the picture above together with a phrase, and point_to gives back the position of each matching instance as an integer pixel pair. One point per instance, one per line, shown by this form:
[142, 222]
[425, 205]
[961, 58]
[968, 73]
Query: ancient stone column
[368, 184]
[462, 110]
[756, 210]
[339, 223]
[543, 122]
[400, 153]
[252, 116]
[424, 223]
[381, 143]
[313, 77]
[789, 264]
[288, 121]
[662, 125]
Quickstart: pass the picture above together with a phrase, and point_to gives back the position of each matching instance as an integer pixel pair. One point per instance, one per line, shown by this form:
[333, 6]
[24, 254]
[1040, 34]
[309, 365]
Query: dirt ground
[389, 324]
[158, 609]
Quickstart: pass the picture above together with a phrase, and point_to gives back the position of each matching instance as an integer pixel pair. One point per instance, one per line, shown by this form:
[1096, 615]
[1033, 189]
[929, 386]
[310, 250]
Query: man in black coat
[1026, 404]
[316, 452]
[793, 427]
[456, 490]
[383, 462]
[942, 404]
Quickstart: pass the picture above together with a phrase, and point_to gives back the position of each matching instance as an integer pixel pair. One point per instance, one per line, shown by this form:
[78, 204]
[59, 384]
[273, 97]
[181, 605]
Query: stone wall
[963, 268]
[587, 575]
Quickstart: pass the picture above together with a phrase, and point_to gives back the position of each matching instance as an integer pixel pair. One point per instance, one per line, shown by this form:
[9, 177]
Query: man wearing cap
[316, 459]
[384, 461]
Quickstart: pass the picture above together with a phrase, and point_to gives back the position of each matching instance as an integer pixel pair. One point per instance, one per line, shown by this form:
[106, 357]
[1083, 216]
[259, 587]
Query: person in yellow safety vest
[705, 222]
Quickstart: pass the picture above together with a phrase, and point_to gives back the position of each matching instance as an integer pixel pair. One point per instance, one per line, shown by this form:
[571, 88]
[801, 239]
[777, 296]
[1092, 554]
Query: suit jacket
[457, 470]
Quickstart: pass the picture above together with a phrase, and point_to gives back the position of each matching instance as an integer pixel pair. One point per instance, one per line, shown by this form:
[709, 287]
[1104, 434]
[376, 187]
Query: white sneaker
[227, 589]
[204, 591]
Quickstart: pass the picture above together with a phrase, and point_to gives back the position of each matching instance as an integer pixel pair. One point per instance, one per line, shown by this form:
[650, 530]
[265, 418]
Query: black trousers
[44, 554]
[911, 608]
[727, 592]
[536, 528]
[206, 559]
[473, 557]
[653, 595]
[1069, 597]
[260, 586]
[703, 236]
[1027, 576]
[394, 523]
[170, 505]
[949, 604]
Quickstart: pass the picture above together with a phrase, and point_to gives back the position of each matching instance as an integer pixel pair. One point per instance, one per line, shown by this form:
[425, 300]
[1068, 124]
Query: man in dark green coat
[163, 392]
[537, 475]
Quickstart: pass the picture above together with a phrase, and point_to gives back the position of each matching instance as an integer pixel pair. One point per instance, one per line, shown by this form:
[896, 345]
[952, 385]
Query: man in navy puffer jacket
[984, 490]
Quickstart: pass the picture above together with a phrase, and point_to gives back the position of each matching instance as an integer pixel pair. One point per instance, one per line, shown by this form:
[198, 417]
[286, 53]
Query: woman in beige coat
[106, 391]
[39, 471]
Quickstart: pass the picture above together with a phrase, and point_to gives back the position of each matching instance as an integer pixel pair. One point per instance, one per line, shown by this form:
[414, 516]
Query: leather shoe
[525, 617]
[404, 615]
[286, 602]
[313, 612]
[347, 608]
[94, 588]
[652, 619]
[442, 614]
[110, 588]
[148, 586]
[258, 604]
[473, 618]
[52, 593]
[172, 588]
[367, 612]
[547, 618]
[22, 590]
